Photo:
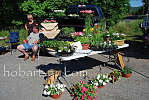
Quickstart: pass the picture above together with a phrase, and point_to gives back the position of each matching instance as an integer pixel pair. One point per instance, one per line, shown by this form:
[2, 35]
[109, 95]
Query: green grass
[22, 34]
[131, 29]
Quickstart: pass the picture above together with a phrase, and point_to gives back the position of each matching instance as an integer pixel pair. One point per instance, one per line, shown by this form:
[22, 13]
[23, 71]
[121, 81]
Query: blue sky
[136, 3]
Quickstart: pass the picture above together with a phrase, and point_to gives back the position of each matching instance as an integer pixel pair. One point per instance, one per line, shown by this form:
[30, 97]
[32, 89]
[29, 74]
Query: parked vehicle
[74, 16]
[145, 25]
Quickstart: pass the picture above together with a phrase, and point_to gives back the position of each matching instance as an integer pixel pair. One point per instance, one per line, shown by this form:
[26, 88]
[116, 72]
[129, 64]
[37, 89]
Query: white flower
[62, 90]
[107, 81]
[110, 78]
[100, 81]
[98, 77]
[51, 85]
[104, 76]
[115, 33]
[108, 35]
[59, 50]
[45, 92]
[104, 83]
[96, 84]
[48, 93]
[46, 86]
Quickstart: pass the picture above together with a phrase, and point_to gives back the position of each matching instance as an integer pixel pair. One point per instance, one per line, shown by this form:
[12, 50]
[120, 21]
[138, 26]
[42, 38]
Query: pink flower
[84, 94]
[84, 89]
[82, 98]
[76, 98]
[89, 98]
[81, 82]
[91, 90]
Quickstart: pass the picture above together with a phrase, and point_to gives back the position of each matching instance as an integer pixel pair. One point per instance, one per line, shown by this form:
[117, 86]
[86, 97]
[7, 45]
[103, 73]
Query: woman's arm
[26, 27]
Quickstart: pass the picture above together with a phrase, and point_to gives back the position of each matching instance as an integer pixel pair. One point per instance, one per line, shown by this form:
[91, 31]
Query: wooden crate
[52, 75]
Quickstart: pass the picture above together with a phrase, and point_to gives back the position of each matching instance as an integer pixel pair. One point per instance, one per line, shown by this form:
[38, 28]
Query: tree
[114, 10]
[42, 8]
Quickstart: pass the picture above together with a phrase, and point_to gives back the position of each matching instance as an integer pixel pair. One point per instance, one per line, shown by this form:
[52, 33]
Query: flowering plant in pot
[115, 76]
[85, 41]
[126, 72]
[55, 91]
[100, 80]
[84, 91]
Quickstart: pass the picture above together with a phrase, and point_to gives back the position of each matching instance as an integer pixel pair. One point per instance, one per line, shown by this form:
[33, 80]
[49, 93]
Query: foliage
[89, 30]
[114, 10]
[115, 76]
[67, 31]
[97, 41]
[53, 89]
[126, 70]
[17, 23]
[100, 80]
[10, 11]
[128, 28]
[84, 91]
[42, 8]
[22, 34]
[60, 46]
[83, 39]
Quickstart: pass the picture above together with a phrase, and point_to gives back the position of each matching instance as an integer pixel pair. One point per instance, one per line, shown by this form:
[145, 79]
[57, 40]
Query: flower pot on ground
[126, 72]
[100, 81]
[56, 96]
[84, 91]
[115, 76]
[101, 86]
[54, 91]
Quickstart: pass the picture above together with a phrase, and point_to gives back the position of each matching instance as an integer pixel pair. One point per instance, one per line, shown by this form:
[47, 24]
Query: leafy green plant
[115, 76]
[83, 39]
[97, 41]
[126, 70]
[84, 91]
[66, 31]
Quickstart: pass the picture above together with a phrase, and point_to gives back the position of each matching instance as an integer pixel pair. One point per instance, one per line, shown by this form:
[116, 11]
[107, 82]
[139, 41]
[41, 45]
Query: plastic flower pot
[102, 86]
[56, 96]
[126, 75]
[85, 46]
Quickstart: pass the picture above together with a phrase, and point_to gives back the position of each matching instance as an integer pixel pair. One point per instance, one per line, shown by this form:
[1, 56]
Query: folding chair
[13, 39]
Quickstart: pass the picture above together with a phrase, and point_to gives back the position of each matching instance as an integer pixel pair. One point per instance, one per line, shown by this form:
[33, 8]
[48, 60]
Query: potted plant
[97, 42]
[67, 33]
[100, 80]
[84, 91]
[85, 41]
[126, 72]
[54, 91]
[118, 39]
[115, 76]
